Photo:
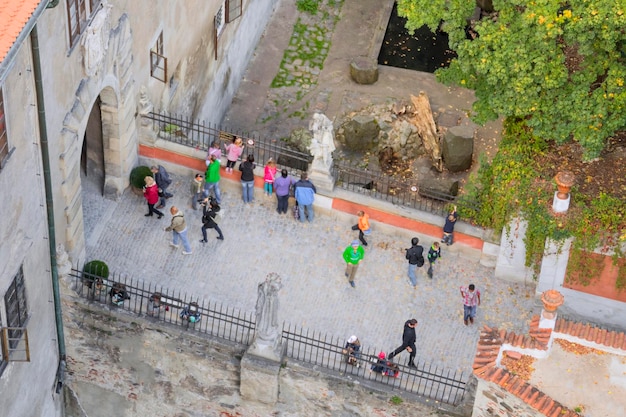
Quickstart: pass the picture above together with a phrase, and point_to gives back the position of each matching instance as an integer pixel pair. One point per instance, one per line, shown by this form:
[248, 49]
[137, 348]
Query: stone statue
[323, 142]
[95, 41]
[145, 105]
[64, 266]
[267, 329]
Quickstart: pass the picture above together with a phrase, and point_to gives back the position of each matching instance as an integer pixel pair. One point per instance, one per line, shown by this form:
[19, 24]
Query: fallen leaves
[523, 367]
[577, 349]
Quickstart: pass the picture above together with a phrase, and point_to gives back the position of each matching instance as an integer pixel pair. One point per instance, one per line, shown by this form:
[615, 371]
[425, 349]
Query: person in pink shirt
[214, 150]
[233, 152]
[471, 300]
[269, 176]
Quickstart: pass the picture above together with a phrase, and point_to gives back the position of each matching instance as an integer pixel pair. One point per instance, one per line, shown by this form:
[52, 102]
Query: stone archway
[111, 87]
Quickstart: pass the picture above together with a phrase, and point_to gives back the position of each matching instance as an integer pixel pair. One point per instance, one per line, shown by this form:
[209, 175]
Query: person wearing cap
[282, 185]
[352, 350]
[353, 255]
[379, 366]
[408, 342]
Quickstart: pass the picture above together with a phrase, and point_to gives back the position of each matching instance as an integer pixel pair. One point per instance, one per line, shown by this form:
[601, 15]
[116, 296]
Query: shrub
[95, 271]
[309, 6]
[138, 174]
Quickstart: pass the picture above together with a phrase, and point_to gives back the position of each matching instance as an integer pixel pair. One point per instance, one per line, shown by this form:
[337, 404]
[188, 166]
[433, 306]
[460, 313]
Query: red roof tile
[14, 15]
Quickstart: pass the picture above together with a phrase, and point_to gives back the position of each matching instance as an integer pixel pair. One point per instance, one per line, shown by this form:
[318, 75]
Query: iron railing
[199, 135]
[426, 380]
[230, 324]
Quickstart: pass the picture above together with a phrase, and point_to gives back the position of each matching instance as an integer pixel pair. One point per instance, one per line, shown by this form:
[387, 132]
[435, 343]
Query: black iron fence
[200, 135]
[215, 319]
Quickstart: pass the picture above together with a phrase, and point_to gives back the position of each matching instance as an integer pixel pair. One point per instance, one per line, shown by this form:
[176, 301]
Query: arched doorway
[92, 155]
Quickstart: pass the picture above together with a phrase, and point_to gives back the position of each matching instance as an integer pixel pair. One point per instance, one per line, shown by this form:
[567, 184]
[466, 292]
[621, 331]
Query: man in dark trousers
[415, 256]
[408, 342]
[163, 180]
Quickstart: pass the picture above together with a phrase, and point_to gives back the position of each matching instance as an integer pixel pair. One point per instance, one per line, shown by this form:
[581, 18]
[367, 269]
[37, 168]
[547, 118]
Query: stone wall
[26, 388]
[493, 400]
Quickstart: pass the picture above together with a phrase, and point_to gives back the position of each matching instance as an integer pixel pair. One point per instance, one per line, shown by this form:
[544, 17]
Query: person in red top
[151, 193]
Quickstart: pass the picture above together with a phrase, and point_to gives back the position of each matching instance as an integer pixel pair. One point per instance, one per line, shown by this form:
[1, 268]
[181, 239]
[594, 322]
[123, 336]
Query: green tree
[559, 65]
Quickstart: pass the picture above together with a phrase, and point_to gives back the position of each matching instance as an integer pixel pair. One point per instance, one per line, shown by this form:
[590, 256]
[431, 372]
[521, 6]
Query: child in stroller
[385, 366]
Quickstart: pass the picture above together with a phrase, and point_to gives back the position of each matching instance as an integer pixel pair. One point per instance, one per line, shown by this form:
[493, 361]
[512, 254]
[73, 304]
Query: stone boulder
[458, 148]
[364, 70]
[360, 133]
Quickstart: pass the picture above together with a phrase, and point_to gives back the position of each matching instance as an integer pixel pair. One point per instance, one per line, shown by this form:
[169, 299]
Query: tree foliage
[559, 65]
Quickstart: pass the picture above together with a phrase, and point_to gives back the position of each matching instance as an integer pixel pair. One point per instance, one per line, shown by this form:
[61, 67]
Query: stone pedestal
[560, 205]
[259, 376]
[322, 179]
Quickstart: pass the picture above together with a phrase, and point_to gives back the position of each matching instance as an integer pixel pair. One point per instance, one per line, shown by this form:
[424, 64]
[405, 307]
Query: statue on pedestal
[267, 309]
[323, 142]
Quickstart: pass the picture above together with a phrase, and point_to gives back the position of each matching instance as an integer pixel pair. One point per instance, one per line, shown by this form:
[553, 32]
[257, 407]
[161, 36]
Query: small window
[77, 19]
[158, 62]
[77, 13]
[16, 307]
[233, 10]
[4, 140]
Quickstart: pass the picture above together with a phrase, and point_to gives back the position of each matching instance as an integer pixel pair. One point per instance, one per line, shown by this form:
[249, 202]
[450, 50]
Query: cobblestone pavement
[316, 294]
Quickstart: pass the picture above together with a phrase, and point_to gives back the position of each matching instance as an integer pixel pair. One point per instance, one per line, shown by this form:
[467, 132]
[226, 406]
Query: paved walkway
[316, 294]
[308, 256]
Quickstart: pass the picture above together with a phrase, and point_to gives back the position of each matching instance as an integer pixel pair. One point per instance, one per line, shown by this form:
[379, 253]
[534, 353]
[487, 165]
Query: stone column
[261, 363]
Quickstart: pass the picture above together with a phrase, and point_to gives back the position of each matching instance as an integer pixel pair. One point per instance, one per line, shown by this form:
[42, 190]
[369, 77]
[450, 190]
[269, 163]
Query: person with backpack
[210, 208]
[415, 256]
[163, 181]
[433, 254]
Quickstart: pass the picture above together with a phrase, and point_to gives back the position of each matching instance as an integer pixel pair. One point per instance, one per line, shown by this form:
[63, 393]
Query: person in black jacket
[415, 256]
[163, 180]
[408, 342]
[209, 211]
[247, 178]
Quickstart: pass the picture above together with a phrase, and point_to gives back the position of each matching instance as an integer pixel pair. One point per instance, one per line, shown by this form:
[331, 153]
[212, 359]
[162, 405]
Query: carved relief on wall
[95, 40]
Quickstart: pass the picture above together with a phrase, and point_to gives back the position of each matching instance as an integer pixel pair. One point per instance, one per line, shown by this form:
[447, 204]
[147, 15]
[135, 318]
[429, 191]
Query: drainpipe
[45, 159]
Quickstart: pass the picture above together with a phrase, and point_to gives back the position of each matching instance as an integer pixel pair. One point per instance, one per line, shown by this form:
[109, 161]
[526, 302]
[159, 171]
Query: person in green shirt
[212, 179]
[353, 255]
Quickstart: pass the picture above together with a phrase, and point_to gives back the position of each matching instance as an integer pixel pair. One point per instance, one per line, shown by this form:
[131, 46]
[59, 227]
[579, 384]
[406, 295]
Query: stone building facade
[95, 65]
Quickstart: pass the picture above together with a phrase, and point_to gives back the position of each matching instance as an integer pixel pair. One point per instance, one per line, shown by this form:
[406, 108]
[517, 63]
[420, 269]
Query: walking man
[415, 256]
[433, 254]
[209, 211]
[212, 178]
[471, 301]
[353, 255]
[408, 342]
[163, 181]
[363, 226]
[305, 194]
[178, 227]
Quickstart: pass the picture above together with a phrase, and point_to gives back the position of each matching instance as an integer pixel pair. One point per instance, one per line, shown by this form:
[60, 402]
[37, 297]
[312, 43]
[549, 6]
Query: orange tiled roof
[491, 341]
[14, 14]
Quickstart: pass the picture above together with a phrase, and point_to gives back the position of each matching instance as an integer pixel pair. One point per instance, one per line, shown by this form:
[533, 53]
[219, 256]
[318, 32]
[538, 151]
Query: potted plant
[137, 176]
[95, 271]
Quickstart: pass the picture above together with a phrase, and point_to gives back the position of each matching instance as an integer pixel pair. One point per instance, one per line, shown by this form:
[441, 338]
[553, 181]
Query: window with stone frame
[4, 138]
[78, 12]
[16, 307]
[158, 61]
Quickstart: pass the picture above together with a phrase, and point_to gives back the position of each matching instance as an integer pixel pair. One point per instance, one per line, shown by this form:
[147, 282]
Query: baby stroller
[190, 313]
[118, 294]
[385, 366]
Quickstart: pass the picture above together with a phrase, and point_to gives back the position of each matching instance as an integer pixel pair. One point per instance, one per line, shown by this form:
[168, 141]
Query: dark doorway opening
[423, 51]
[92, 156]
